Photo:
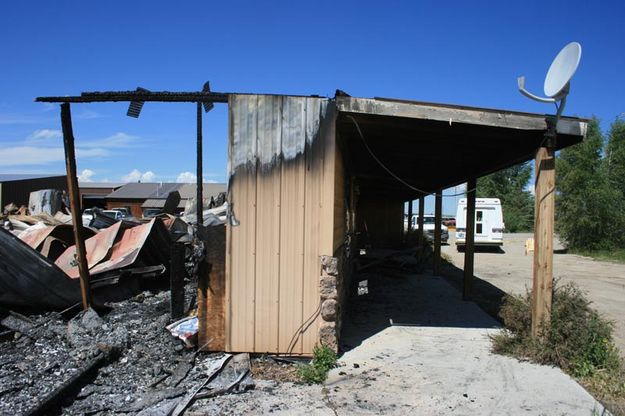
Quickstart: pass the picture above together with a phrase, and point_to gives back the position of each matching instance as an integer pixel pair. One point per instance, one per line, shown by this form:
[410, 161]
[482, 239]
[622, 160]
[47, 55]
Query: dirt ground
[511, 271]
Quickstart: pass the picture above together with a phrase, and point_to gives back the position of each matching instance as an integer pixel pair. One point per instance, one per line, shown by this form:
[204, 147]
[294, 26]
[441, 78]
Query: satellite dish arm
[521, 82]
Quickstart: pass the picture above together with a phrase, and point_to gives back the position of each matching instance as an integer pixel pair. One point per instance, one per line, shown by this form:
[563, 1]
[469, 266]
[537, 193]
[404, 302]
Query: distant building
[16, 188]
[138, 197]
[93, 194]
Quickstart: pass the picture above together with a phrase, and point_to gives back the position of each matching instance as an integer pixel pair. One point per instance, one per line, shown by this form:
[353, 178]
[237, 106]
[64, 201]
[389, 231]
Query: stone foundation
[330, 307]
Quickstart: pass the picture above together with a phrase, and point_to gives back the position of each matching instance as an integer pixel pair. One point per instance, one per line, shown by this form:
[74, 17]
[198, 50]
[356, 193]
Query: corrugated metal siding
[282, 164]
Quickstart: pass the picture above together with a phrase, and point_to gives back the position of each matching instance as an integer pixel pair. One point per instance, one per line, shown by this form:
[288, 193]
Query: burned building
[312, 180]
[312, 177]
[16, 188]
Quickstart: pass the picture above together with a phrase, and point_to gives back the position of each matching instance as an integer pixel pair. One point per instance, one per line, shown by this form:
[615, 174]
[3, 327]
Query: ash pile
[123, 361]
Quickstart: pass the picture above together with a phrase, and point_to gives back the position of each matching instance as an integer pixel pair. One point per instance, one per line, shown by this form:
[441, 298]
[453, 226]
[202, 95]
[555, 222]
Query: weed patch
[316, 371]
[578, 340]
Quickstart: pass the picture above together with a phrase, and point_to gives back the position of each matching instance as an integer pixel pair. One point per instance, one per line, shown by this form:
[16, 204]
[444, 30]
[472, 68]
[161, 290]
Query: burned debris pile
[125, 362]
[129, 352]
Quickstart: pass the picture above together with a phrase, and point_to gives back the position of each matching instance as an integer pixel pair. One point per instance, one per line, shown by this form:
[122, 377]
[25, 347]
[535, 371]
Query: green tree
[509, 186]
[586, 203]
[615, 156]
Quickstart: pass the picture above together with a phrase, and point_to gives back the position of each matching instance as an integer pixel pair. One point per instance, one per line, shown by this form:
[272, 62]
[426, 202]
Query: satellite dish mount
[557, 81]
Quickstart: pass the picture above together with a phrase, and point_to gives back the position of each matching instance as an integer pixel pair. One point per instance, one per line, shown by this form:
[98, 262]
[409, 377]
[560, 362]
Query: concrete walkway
[434, 360]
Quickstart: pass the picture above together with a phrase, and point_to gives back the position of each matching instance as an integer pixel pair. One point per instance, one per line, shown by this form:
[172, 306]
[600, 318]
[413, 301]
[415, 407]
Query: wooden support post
[438, 215]
[74, 202]
[542, 288]
[176, 281]
[200, 180]
[469, 247]
[211, 296]
[409, 232]
[420, 220]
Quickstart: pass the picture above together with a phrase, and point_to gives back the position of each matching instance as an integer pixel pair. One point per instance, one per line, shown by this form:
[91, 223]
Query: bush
[316, 371]
[578, 340]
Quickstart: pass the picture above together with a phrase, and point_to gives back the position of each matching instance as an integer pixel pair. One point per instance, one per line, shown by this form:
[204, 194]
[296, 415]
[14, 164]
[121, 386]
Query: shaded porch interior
[393, 152]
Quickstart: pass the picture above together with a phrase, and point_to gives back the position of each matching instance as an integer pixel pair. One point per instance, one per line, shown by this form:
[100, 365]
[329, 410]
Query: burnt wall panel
[282, 162]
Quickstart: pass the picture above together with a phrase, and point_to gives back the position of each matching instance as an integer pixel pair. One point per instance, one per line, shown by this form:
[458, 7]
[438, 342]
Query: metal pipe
[72, 187]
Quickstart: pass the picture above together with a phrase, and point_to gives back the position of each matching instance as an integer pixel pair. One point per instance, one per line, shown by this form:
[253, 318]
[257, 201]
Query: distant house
[141, 196]
[93, 194]
[17, 188]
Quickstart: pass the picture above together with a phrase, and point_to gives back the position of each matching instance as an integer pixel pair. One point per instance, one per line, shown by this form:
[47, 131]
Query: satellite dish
[562, 69]
[558, 77]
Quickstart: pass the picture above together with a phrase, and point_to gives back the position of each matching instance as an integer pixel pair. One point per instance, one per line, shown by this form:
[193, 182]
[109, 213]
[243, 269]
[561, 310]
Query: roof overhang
[437, 146]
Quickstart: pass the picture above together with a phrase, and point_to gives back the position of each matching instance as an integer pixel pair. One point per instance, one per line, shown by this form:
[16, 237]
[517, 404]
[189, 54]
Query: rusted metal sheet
[97, 248]
[126, 250]
[35, 235]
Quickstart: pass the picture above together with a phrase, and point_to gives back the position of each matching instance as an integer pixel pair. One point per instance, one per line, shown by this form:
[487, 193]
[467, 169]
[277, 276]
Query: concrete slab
[434, 360]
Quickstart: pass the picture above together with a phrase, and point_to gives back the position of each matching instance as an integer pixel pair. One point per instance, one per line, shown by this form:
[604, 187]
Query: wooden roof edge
[459, 114]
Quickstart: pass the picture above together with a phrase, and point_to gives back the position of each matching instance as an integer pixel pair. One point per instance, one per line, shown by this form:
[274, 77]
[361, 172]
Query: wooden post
[200, 180]
[544, 208]
[438, 214]
[420, 220]
[211, 295]
[409, 232]
[469, 247]
[74, 202]
[176, 281]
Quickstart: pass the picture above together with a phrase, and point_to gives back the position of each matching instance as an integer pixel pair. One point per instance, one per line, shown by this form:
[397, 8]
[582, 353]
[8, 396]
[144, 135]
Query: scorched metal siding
[282, 161]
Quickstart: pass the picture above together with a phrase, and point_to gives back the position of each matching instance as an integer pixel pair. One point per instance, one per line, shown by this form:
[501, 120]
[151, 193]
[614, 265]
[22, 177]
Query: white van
[489, 226]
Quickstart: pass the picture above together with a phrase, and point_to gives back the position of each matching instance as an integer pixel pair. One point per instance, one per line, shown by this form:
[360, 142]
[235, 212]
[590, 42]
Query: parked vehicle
[428, 227]
[151, 212]
[489, 226]
[117, 215]
[125, 211]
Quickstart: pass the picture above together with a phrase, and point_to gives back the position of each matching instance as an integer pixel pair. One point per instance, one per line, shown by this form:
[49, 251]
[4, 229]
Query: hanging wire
[390, 172]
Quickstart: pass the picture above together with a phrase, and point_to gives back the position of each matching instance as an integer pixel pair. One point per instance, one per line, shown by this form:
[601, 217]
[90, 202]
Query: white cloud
[45, 134]
[136, 175]
[86, 175]
[32, 155]
[116, 141]
[186, 177]
[88, 115]
[23, 119]
[148, 176]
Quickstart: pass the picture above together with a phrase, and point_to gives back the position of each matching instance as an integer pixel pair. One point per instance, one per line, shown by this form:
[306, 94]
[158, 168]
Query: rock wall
[329, 329]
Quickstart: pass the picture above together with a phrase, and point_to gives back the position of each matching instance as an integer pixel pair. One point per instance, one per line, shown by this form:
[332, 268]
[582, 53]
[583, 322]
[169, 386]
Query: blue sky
[453, 52]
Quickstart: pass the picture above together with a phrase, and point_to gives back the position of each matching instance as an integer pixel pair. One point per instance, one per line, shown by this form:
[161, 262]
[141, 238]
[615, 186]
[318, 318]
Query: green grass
[316, 371]
[616, 255]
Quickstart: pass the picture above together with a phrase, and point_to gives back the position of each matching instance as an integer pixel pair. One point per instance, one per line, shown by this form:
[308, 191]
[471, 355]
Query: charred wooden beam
[161, 96]
[199, 174]
[74, 201]
[51, 404]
